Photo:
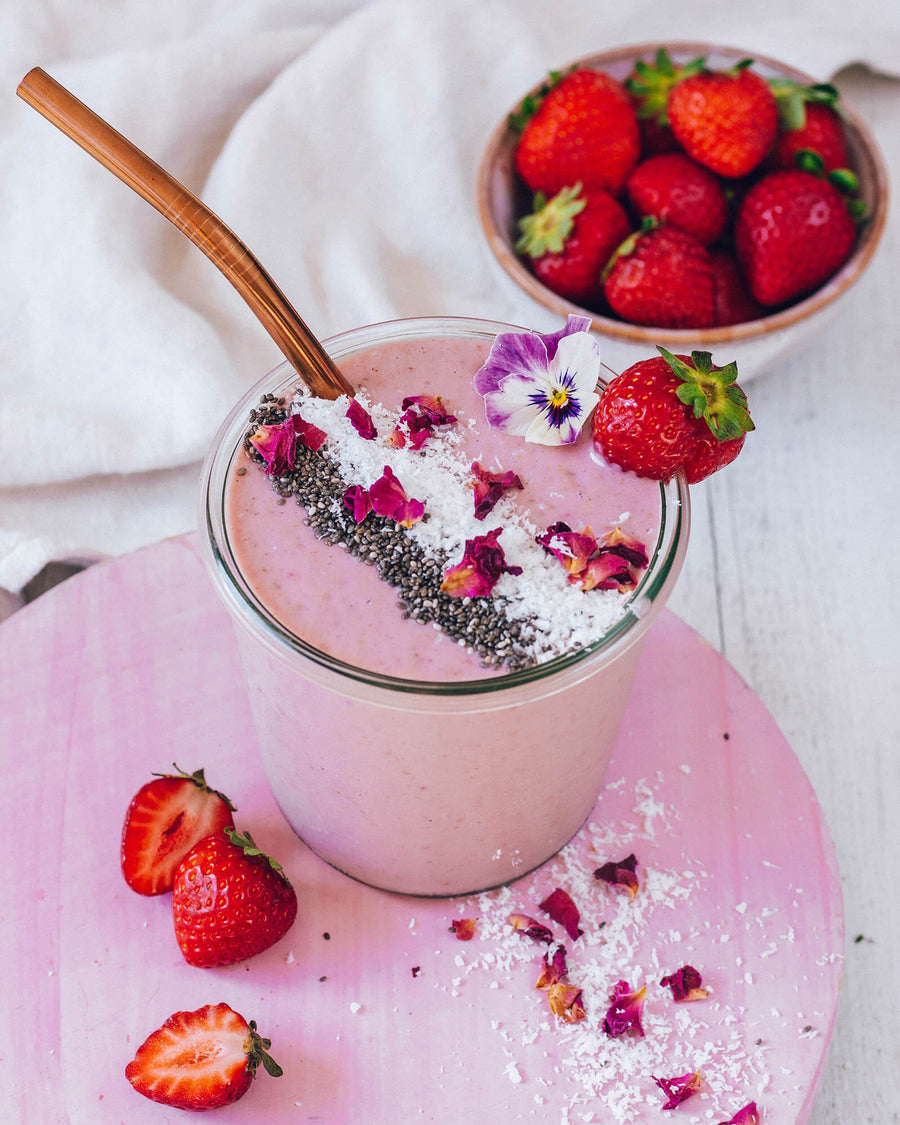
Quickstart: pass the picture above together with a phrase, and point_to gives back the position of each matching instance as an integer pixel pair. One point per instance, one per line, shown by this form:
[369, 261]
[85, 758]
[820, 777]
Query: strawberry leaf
[257, 1049]
[547, 228]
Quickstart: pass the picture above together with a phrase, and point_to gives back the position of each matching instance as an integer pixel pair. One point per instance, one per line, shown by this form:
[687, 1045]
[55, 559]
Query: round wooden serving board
[377, 1013]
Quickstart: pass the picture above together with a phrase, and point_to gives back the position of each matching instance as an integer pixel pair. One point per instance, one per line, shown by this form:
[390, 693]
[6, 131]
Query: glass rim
[644, 602]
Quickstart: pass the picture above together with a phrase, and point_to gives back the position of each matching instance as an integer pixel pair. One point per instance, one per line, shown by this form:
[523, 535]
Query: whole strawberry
[166, 818]
[810, 121]
[725, 119]
[731, 297]
[569, 239]
[792, 232]
[672, 413]
[200, 1060]
[584, 131]
[230, 901]
[680, 193]
[662, 277]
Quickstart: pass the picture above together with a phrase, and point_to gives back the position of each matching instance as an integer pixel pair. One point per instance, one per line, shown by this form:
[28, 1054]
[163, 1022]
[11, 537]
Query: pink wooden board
[131, 666]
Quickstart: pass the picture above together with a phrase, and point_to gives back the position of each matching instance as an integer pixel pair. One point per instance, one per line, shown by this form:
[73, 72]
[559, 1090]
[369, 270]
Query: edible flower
[530, 928]
[422, 414]
[361, 420]
[464, 928]
[479, 571]
[554, 969]
[685, 985]
[607, 565]
[541, 387]
[277, 444]
[620, 874]
[678, 1090]
[562, 910]
[749, 1115]
[489, 487]
[565, 1001]
[624, 1012]
[386, 497]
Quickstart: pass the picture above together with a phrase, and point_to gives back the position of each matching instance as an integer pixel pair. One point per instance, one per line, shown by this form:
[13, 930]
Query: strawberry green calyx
[550, 224]
[712, 393]
[531, 103]
[249, 847]
[792, 99]
[651, 83]
[200, 781]
[256, 1049]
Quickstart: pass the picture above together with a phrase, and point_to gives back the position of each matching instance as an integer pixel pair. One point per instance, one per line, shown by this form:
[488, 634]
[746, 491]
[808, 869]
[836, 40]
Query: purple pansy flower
[541, 387]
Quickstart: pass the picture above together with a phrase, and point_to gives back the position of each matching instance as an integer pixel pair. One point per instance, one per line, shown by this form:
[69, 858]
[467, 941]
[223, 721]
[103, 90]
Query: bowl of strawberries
[685, 195]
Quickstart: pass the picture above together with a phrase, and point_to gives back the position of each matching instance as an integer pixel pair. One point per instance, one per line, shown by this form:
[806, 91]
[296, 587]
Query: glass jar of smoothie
[395, 750]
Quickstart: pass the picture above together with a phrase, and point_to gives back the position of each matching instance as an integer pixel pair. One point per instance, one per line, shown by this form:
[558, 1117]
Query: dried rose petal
[620, 874]
[610, 565]
[559, 905]
[464, 928]
[565, 1002]
[358, 500]
[480, 569]
[624, 1013]
[489, 487]
[308, 434]
[625, 545]
[389, 499]
[531, 928]
[361, 420]
[554, 969]
[685, 985]
[422, 414]
[678, 1090]
[749, 1115]
[277, 444]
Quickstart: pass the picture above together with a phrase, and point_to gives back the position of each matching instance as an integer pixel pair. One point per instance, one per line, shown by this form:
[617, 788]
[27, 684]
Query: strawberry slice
[165, 819]
[200, 1060]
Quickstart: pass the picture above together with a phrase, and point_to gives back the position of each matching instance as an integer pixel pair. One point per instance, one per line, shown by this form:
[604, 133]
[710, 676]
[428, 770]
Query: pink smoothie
[322, 593]
[455, 777]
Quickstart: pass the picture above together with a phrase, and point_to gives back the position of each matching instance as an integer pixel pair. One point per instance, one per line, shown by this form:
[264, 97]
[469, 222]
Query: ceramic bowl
[503, 198]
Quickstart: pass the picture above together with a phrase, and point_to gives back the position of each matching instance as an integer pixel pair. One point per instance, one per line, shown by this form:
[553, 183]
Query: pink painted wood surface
[131, 666]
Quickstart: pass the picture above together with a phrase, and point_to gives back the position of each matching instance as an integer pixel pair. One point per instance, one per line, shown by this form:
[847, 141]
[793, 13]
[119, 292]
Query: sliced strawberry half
[165, 819]
[200, 1060]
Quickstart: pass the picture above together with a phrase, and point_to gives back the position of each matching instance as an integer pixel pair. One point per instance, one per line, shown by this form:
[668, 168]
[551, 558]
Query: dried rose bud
[685, 985]
[621, 874]
[464, 928]
[678, 1090]
[531, 928]
[559, 905]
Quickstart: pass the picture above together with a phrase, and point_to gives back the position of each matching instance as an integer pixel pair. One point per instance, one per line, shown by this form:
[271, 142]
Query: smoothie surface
[322, 593]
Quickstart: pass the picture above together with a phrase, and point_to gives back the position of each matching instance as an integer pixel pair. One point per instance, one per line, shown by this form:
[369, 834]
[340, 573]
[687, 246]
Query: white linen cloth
[339, 140]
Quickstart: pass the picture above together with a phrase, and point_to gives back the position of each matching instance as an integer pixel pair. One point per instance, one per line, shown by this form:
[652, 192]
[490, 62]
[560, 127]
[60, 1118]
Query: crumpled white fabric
[339, 140]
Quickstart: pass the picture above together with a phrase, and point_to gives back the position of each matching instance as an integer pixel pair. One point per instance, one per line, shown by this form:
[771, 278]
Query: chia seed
[480, 624]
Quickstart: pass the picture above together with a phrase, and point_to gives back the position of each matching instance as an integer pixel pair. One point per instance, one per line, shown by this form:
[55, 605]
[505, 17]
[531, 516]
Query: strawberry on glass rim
[200, 1060]
[672, 413]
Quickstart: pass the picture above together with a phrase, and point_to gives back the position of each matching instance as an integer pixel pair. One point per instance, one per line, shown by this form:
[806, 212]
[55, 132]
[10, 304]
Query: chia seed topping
[527, 620]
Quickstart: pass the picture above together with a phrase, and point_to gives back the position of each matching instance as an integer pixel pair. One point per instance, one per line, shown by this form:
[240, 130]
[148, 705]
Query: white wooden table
[792, 574]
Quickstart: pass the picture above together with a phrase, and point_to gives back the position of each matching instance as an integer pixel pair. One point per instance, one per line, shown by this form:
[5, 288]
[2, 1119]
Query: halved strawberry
[200, 1060]
[165, 819]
